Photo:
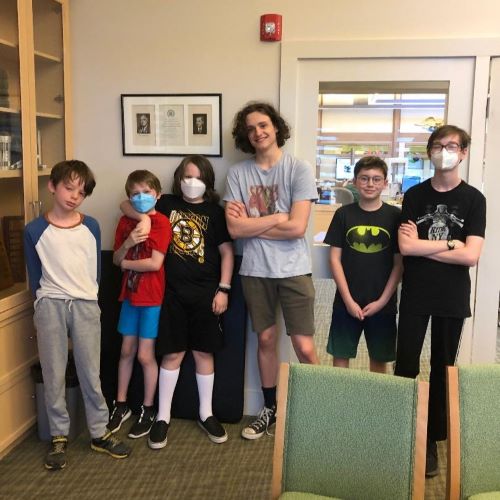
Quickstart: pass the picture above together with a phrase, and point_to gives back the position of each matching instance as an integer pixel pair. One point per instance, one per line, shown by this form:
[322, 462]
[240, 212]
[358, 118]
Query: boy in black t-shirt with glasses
[441, 237]
[366, 266]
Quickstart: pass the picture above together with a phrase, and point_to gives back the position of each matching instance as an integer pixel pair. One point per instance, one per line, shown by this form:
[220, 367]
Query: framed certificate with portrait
[172, 124]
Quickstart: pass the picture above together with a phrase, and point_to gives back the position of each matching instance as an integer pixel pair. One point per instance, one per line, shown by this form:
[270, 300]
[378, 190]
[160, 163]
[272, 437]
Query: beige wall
[201, 46]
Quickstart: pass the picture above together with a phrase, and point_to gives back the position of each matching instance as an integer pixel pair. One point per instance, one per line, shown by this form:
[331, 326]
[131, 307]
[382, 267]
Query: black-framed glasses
[365, 179]
[451, 147]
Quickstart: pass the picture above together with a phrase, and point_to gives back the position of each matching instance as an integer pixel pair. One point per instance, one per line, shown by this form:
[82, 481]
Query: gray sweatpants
[55, 320]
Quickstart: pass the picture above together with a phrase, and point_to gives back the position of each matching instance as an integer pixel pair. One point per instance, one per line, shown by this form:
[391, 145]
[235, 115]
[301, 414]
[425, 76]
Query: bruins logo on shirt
[368, 239]
[187, 232]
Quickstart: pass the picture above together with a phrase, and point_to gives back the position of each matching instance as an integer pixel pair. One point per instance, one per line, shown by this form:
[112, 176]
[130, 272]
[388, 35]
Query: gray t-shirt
[265, 192]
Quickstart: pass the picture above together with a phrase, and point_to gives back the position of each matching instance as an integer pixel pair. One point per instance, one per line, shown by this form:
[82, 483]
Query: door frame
[293, 53]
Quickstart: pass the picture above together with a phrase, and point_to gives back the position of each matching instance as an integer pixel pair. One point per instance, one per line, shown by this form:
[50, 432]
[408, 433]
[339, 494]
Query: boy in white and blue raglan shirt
[62, 249]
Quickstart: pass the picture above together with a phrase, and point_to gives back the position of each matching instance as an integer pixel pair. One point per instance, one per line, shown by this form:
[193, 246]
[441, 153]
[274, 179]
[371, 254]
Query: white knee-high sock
[167, 382]
[205, 389]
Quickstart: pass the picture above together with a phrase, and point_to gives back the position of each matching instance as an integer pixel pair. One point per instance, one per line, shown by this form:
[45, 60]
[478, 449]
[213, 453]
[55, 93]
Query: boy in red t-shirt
[141, 258]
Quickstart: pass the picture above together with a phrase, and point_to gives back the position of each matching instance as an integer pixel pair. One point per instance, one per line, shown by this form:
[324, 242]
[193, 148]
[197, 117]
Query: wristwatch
[451, 244]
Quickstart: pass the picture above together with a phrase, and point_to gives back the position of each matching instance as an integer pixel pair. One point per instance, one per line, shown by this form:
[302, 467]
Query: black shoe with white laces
[261, 425]
[215, 432]
[144, 423]
[158, 435]
[119, 414]
[56, 457]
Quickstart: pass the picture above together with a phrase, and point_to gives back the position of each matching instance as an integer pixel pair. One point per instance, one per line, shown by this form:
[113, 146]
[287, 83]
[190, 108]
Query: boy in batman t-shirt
[366, 266]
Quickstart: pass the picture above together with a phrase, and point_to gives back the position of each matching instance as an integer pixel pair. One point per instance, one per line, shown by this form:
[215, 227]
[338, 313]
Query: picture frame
[171, 124]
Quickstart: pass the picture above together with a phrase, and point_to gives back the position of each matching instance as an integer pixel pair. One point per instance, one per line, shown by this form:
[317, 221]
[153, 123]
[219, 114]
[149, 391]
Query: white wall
[207, 46]
[197, 46]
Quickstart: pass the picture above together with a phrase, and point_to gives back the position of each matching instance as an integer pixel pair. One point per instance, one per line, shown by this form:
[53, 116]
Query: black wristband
[223, 290]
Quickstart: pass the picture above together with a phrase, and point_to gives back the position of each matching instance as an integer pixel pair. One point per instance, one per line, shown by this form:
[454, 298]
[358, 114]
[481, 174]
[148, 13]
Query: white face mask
[192, 188]
[444, 160]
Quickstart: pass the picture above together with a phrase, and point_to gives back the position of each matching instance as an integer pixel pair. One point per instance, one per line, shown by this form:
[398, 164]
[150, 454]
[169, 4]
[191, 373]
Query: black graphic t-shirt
[193, 259]
[368, 241]
[431, 287]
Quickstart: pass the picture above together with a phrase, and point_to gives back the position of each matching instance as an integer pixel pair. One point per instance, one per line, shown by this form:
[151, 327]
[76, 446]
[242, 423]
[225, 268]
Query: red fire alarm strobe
[270, 28]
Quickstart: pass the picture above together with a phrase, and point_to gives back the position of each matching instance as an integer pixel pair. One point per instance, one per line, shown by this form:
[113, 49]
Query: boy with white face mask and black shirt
[441, 237]
[198, 269]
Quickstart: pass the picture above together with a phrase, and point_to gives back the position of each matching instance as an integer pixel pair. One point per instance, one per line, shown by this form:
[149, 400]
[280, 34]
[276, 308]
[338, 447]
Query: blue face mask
[143, 202]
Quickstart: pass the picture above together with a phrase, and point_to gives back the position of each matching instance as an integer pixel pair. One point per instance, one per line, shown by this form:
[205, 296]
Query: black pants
[445, 341]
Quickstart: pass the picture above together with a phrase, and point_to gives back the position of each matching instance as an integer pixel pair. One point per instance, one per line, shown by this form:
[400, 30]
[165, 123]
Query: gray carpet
[190, 467]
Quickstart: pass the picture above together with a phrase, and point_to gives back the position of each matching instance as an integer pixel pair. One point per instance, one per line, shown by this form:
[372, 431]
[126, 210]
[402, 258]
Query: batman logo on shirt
[368, 239]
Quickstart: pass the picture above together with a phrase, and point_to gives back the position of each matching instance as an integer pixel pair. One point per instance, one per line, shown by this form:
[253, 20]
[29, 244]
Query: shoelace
[264, 417]
[111, 439]
[58, 447]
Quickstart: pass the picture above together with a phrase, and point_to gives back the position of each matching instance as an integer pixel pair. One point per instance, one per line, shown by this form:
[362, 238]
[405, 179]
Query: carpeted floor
[190, 467]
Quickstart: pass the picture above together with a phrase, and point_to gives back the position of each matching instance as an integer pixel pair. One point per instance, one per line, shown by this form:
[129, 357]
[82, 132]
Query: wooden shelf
[50, 116]
[12, 111]
[8, 43]
[43, 56]
[44, 172]
[11, 174]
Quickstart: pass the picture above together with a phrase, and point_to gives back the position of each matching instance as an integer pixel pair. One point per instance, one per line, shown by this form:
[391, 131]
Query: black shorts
[188, 324]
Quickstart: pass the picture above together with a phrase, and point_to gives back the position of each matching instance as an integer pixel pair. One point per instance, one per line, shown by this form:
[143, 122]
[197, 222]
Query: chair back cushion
[349, 434]
[479, 400]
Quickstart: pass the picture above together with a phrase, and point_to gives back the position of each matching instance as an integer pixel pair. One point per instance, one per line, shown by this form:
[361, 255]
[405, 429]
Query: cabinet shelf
[50, 116]
[11, 174]
[7, 43]
[12, 111]
[44, 56]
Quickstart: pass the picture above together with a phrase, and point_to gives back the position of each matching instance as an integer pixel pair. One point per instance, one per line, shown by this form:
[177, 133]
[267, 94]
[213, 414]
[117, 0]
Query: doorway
[302, 79]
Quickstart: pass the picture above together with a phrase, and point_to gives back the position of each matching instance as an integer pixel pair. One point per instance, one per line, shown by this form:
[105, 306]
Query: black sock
[269, 396]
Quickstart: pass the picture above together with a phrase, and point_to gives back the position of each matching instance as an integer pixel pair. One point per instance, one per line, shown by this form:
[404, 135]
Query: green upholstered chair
[349, 434]
[474, 432]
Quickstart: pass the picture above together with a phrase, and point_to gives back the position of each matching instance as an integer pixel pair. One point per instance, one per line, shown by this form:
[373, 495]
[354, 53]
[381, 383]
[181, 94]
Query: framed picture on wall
[172, 124]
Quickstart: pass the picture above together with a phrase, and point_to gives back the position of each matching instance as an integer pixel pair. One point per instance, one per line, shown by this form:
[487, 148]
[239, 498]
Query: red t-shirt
[144, 289]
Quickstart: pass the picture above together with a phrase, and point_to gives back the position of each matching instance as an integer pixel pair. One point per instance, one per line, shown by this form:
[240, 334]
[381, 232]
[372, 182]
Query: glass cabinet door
[12, 182]
[49, 91]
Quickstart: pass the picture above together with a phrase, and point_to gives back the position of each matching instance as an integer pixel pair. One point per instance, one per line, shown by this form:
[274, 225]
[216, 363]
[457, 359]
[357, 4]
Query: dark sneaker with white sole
[261, 425]
[144, 423]
[120, 413]
[431, 462]
[158, 435]
[215, 432]
[111, 445]
[56, 457]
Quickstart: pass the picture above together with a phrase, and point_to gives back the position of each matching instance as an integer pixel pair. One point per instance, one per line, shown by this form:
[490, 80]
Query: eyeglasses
[376, 180]
[451, 147]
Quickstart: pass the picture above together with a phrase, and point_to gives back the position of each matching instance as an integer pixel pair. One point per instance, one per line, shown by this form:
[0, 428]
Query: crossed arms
[278, 226]
[465, 254]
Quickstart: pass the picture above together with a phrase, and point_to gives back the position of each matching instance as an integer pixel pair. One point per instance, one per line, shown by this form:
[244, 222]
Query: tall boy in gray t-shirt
[268, 203]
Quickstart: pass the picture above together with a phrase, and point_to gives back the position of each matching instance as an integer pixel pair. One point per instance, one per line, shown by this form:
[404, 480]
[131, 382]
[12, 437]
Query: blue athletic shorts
[141, 321]
[345, 331]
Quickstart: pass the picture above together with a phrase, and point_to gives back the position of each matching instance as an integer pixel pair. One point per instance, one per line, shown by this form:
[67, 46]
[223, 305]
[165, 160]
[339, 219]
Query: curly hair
[207, 176]
[240, 131]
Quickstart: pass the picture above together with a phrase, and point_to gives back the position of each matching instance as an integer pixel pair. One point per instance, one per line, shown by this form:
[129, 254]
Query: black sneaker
[431, 462]
[144, 423]
[158, 435]
[265, 420]
[56, 457]
[216, 433]
[120, 413]
[111, 445]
